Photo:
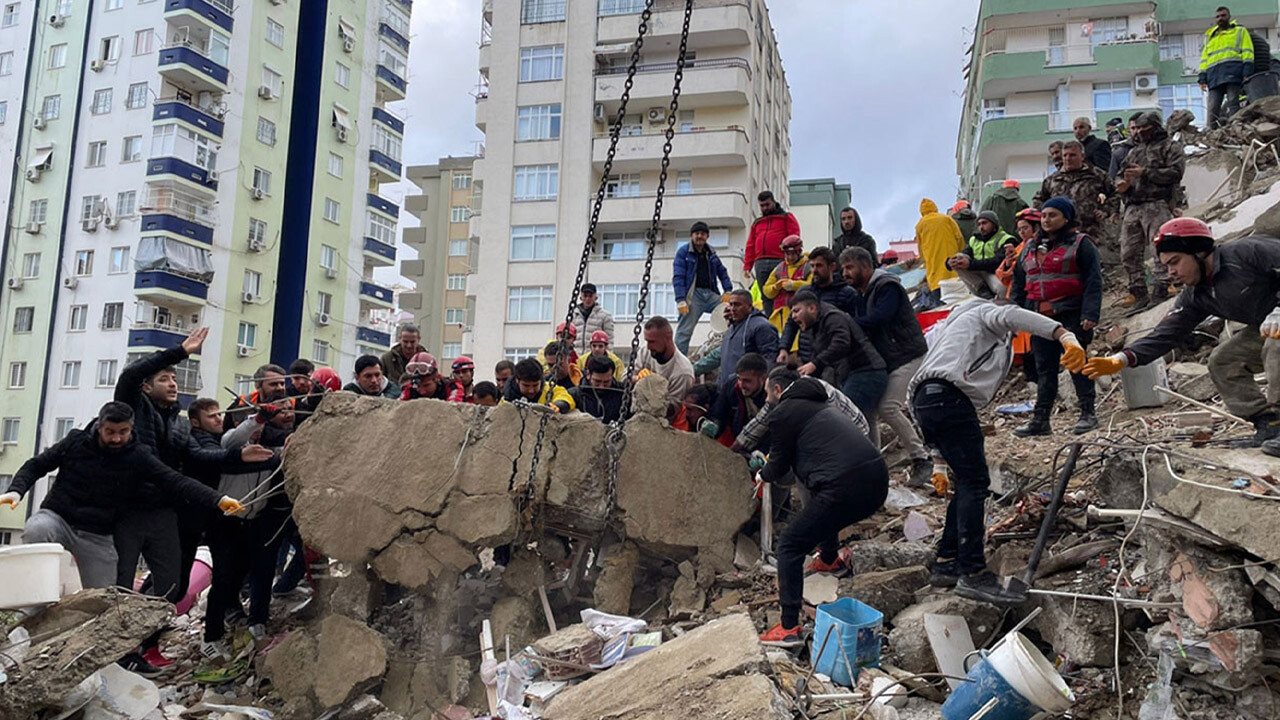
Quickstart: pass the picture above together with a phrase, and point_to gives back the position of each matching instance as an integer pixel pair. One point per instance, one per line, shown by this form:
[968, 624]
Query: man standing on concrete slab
[1239, 281]
[589, 317]
[1148, 184]
[764, 243]
[1006, 203]
[695, 274]
[968, 361]
[852, 235]
[1225, 61]
[1088, 188]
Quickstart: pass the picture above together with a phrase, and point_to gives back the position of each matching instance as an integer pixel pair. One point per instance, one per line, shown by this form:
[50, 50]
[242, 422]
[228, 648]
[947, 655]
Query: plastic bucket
[854, 642]
[1138, 381]
[1030, 674]
[201, 577]
[32, 574]
[986, 685]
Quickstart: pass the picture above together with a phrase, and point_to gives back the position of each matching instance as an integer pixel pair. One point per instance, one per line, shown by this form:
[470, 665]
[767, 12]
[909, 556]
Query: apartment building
[551, 77]
[817, 205]
[1037, 65]
[445, 207]
[180, 163]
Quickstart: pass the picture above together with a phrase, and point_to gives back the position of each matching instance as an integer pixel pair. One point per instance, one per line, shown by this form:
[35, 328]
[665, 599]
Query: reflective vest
[986, 249]
[1230, 45]
[1053, 275]
[798, 274]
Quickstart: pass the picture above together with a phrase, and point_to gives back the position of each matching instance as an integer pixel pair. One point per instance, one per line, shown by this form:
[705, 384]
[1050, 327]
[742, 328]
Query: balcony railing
[179, 55]
[178, 109]
[662, 129]
[669, 67]
[540, 11]
[218, 12]
[161, 201]
[388, 76]
[373, 337]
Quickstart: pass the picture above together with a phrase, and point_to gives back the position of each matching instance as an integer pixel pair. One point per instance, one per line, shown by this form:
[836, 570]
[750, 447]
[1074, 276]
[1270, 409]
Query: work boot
[1271, 447]
[1088, 421]
[1267, 424]
[1039, 425]
[944, 573]
[1136, 301]
[985, 587]
[921, 471]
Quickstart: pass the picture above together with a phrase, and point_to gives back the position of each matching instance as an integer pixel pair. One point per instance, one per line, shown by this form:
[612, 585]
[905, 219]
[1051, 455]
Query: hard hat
[423, 363]
[1028, 214]
[462, 362]
[1184, 234]
[792, 241]
[572, 330]
[1011, 183]
[600, 336]
[327, 378]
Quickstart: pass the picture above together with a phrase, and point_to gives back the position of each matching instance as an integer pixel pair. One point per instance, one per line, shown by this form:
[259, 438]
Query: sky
[875, 95]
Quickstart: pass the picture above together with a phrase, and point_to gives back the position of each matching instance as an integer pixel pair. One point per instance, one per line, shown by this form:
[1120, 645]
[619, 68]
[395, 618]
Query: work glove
[1073, 356]
[1109, 365]
[11, 499]
[683, 308]
[230, 506]
[266, 412]
[1271, 326]
[724, 298]
[709, 427]
[644, 373]
[940, 483]
[756, 461]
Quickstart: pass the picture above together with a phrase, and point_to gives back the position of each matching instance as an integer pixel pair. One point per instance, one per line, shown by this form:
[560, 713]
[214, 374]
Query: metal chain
[530, 485]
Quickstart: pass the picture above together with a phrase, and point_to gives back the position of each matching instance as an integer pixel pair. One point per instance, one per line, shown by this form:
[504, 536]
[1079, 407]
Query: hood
[880, 275]
[1009, 193]
[857, 224]
[806, 388]
[928, 207]
[1156, 135]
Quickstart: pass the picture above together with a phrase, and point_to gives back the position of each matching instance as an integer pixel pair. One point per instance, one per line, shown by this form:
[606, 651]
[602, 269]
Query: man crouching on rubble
[1237, 281]
[969, 357]
[846, 479]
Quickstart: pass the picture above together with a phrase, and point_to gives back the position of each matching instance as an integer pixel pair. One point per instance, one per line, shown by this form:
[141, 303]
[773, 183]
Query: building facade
[551, 78]
[1036, 66]
[186, 163]
[817, 205]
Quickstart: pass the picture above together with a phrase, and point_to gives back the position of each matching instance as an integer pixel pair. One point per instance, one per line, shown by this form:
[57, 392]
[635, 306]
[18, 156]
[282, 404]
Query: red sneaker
[839, 567]
[778, 636]
[153, 656]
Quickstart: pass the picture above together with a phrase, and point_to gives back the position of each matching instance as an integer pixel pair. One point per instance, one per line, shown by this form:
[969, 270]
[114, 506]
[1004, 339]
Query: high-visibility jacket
[987, 249]
[1227, 56]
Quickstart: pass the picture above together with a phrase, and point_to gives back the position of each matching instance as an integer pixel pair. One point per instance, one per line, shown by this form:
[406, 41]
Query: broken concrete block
[291, 666]
[1192, 380]
[348, 655]
[1082, 631]
[612, 593]
[714, 671]
[688, 597]
[415, 560]
[722, 604]
[889, 591]
[517, 617]
[910, 641]
[487, 520]
[872, 556]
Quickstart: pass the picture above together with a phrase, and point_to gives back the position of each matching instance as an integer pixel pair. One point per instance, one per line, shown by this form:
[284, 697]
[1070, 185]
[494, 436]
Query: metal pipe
[1202, 406]
[1051, 514]
[1104, 598]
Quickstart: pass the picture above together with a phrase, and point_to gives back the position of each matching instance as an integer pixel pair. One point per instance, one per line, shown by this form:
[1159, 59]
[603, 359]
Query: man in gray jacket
[969, 356]
[749, 331]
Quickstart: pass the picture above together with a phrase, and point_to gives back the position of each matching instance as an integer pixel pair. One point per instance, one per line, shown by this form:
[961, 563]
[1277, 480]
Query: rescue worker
[962, 212]
[852, 235]
[965, 366]
[1148, 184]
[839, 352]
[1028, 229]
[976, 264]
[458, 389]
[562, 368]
[422, 379]
[829, 285]
[600, 348]
[270, 384]
[938, 238]
[700, 281]
[394, 360]
[1097, 152]
[601, 395]
[589, 317]
[1225, 61]
[764, 243]
[530, 385]
[1121, 143]
[787, 277]
[757, 429]
[845, 477]
[370, 380]
[1238, 281]
[748, 332]
[1059, 276]
[1006, 203]
[1084, 184]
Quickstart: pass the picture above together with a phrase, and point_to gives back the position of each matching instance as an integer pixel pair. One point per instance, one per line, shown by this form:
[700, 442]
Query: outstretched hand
[10, 499]
[195, 340]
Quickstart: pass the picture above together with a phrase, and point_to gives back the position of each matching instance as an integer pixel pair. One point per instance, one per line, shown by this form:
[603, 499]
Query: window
[992, 108]
[461, 181]
[247, 335]
[533, 242]
[324, 303]
[131, 149]
[4, 111]
[1107, 30]
[386, 143]
[662, 301]
[623, 186]
[266, 131]
[320, 352]
[624, 245]
[342, 75]
[78, 319]
[381, 229]
[451, 350]
[6, 63]
[458, 248]
[538, 122]
[686, 121]
[101, 101]
[1171, 47]
[219, 48]
[332, 210]
[71, 374]
[126, 203]
[112, 316]
[17, 375]
[57, 56]
[63, 427]
[90, 206]
[9, 434]
[143, 41]
[275, 33]
[684, 182]
[119, 261]
[38, 211]
[109, 48]
[272, 80]
[242, 384]
[137, 98]
[541, 63]
[537, 11]
[537, 182]
[516, 354]
[64, 7]
[1112, 96]
[262, 180]
[459, 213]
[1183, 97]
[454, 316]
[10, 15]
[335, 165]
[51, 108]
[328, 257]
[114, 4]
[529, 304]
[107, 370]
[252, 284]
[24, 318]
[455, 282]
[621, 300]
[84, 263]
[97, 156]
[620, 7]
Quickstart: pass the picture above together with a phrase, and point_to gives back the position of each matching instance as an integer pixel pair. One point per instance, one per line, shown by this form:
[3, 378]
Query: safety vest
[1230, 45]
[986, 249]
[800, 272]
[1053, 275]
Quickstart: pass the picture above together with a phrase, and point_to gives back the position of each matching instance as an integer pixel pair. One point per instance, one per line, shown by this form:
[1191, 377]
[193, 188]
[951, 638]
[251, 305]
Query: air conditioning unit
[323, 318]
[257, 193]
[249, 298]
[342, 134]
[34, 227]
[15, 283]
[599, 113]
[657, 115]
[1146, 84]
[212, 175]
[57, 20]
[264, 92]
[331, 273]
[256, 244]
[70, 283]
[348, 44]
[33, 175]
[111, 222]
[242, 351]
[90, 225]
[97, 65]
[38, 123]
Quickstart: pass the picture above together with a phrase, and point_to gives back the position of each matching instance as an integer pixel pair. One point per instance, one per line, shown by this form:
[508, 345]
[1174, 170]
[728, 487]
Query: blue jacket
[684, 272]
[753, 335]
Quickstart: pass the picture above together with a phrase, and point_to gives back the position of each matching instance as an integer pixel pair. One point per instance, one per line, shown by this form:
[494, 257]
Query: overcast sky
[875, 93]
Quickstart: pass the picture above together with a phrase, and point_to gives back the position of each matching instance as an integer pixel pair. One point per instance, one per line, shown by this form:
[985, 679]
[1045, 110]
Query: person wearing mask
[700, 280]
[844, 475]
[885, 315]
[938, 238]
[370, 380]
[1225, 61]
[486, 394]
[601, 395]
[422, 379]
[965, 366]
[1060, 276]
[394, 360]
[1121, 143]
[458, 389]
[1087, 186]
[787, 277]
[962, 212]
[739, 400]
[530, 385]
[1097, 152]
[748, 332]
[562, 369]
[502, 373]
[764, 243]
[839, 352]
[1006, 203]
[1236, 281]
[852, 235]
[830, 287]
[976, 264]
[589, 317]
[1148, 184]
[600, 348]
[660, 355]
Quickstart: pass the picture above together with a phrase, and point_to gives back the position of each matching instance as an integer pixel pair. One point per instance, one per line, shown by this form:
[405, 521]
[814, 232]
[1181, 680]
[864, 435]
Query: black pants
[1048, 354]
[1224, 101]
[819, 524]
[150, 533]
[950, 423]
[292, 567]
[192, 522]
[242, 549]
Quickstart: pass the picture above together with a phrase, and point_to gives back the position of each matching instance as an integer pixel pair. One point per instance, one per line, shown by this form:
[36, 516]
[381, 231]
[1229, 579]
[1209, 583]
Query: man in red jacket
[764, 244]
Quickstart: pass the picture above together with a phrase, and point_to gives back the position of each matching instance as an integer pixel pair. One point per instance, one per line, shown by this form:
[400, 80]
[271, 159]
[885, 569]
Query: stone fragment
[517, 617]
[617, 579]
[726, 601]
[746, 553]
[889, 591]
[687, 597]
[415, 560]
[348, 654]
[1082, 631]
[487, 520]
[909, 641]
[873, 556]
[821, 588]
[291, 666]
[1192, 380]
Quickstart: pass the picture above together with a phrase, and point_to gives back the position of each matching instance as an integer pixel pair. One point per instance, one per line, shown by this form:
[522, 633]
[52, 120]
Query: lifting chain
[527, 509]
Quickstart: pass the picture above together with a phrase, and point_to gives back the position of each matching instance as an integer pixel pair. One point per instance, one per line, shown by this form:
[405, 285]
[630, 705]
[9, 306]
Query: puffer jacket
[1163, 164]
[767, 234]
[684, 272]
[587, 323]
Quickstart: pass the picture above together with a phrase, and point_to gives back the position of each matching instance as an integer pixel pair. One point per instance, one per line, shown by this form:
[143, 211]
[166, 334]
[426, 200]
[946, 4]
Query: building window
[624, 245]
[126, 203]
[320, 352]
[17, 375]
[252, 284]
[381, 229]
[262, 180]
[257, 231]
[686, 121]
[6, 63]
[1183, 97]
[71, 374]
[533, 242]
[992, 108]
[97, 155]
[529, 304]
[538, 122]
[684, 182]
[335, 165]
[458, 248]
[1112, 96]
[386, 143]
[90, 207]
[143, 41]
[38, 211]
[275, 33]
[342, 75]
[451, 350]
[455, 282]
[328, 257]
[9, 434]
[62, 427]
[1106, 30]
[621, 300]
[84, 263]
[24, 318]
[114, 5]
[324, 303]
[516, 354]
[247, 335]
[10, 15]
[137, 98]
[101, 101]
[109, 48]
[332, 210]
[272, 80]
[78, 319]
[459, 213]
[539, 11]
[266, 131]
[107, 370]
[461, 181]
[119, 261]
[454, 316]
[113, 316]
[545, 62]
[4, 111]
[626, 185]
[620, 7]
[537, 182]
[57, 56]
[30, 266]
[51, 108]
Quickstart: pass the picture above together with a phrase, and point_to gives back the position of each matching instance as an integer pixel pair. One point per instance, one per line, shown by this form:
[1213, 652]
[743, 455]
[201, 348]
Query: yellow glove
[1073, 356]
[724, 298]
[1105, 365]
[229, 506]
[683, 308]
[940, 483]
[644, 373]
[10, 499]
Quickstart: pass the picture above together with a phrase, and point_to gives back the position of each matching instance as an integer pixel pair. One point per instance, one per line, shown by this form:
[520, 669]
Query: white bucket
[30, 575]
[1139, 381]
[1030, 673]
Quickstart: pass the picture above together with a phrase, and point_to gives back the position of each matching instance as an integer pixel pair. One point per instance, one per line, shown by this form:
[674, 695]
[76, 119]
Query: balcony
[378, 252]
[188, 68]
[382, 205]
[155, 223]
[391, 86]
[698, 148]
[715, 206]
[386, 119]
[385, 168]
[168, 207]
[153, 335]
[393, 36]
[375, 295]
[1043, 68]
[197, 118]
[163, 287]
[213, 12]
[714, 23]
[172, 166]
[373, 337]
[706, 83]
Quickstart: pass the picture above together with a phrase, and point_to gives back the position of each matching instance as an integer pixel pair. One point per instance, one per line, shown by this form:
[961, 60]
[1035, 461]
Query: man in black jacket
[846, 479]
[828, 284]
[101, 470]
[739, 400]
[1096, 150]
[601, 395]
[839, 351]
[852, 235]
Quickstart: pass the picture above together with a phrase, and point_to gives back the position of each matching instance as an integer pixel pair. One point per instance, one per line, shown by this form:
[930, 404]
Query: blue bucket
[854, 643]
[970, 697]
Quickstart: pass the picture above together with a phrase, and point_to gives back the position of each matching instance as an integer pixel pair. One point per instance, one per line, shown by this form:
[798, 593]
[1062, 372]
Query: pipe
[1202, 406]
[1105, 598]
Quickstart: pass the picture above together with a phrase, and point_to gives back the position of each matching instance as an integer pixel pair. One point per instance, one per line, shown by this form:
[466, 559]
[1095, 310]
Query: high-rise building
[551, 78]
[817, 205]
[1037, 65]
[445, 207]
[186, 163]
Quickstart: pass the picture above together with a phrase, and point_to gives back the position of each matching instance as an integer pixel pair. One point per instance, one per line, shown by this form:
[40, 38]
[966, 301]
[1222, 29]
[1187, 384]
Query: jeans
[701, 301]
[950, 424]
[865, 388]
[819, 524]
[893, 411]
[761, 269]
[153, 534]
[242, 549]
[1233, 364]
[95, 554]
[1230, 93]
[1048, 354]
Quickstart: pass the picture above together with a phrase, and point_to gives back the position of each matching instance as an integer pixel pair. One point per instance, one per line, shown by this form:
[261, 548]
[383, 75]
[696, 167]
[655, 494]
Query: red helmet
[1184, 234]
[600, 336]
[462, 362]
[572, 330]
[422, 364]
[792, 242]
[1028, 214]
[327, 378]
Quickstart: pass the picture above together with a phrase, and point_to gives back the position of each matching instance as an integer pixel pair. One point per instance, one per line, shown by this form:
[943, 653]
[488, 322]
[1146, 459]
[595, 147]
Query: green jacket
[1005, 203]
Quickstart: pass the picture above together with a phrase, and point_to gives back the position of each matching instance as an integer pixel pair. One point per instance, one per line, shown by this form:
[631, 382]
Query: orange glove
[683, 308]
[10, 499]
[940, 483]
[644, 373]
[724, 298]
[1105, 365]
[229, 506]
[1073, 356]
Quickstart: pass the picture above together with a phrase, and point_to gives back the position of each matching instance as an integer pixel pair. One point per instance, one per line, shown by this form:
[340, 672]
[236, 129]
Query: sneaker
[778, 636]
[153, 656]
[921, 472]
[839, 567]
[985, 587]
[215, 651]
[1088, 421]
[1267, 424]
[258, 632]
[135, 663]
[1037, 426]
[1271, 447]
[944, 573]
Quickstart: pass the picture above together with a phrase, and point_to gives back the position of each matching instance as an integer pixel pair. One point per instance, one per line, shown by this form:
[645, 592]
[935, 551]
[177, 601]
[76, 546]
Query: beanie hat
[991, 216]
[1062, 205]
[699, 227]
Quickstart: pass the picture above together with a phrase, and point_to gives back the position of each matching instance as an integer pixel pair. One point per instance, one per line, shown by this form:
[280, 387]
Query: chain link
[527, 496]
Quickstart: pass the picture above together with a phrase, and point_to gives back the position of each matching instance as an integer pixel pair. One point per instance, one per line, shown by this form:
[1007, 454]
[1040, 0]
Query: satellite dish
[718, 321]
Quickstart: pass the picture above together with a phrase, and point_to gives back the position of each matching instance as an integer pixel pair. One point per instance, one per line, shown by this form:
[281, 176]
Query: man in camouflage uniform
[1148, 183]
[1087, 186]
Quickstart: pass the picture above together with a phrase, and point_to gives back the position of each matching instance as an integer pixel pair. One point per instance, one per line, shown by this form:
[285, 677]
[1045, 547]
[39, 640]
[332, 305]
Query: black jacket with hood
[886, 315]
[605, 404]
[837, 346]
[857, 237]
[837, 293]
